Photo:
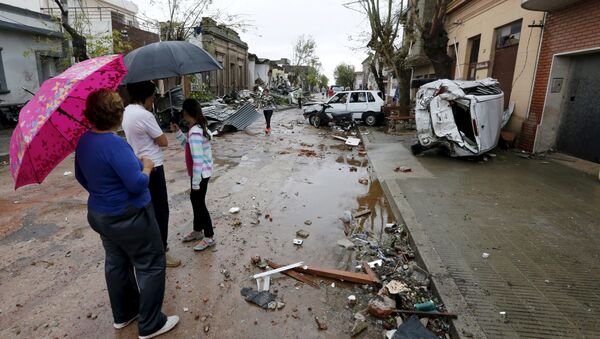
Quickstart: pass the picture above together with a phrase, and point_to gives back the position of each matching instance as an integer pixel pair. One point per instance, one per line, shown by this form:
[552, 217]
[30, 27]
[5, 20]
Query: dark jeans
[202, 221]
[268, 114]
[160, 201]
[132, 242]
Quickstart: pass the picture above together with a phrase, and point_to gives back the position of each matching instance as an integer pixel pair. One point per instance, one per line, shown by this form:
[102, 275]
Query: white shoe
[122, 325]
[171, 322]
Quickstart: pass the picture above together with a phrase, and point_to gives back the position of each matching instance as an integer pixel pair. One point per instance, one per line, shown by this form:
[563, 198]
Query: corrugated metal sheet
[243, 118]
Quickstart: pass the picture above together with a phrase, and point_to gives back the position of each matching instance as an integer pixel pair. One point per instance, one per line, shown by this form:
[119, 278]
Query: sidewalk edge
[442, 282]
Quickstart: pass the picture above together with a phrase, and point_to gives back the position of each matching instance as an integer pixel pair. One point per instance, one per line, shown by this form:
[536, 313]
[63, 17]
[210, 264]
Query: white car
[364, 106]
[465, 117]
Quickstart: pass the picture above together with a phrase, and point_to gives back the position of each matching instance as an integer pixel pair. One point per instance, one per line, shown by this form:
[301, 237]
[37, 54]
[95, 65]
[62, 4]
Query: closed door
[579, 132]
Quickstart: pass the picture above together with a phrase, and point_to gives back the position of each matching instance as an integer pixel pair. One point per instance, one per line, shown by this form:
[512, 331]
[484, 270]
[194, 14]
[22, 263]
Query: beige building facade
[492, 38]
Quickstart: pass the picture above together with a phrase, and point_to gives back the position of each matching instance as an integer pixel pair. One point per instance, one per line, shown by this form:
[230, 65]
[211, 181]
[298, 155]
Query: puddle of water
[321, 195]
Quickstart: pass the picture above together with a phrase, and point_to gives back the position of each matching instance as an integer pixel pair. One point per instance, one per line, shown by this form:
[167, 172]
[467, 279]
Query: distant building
[100, 20]
[358, 80]
[30, 50]
[226, 46]
[564, 113]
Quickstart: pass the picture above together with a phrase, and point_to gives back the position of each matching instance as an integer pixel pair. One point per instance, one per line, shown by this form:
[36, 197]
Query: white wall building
[30, 50]
[94, 18]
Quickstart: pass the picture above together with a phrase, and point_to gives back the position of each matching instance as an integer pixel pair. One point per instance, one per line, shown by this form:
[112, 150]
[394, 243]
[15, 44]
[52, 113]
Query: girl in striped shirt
[198, 159]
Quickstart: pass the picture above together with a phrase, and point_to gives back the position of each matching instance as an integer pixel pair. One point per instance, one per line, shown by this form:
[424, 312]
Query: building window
[47, 66]
[508, 35]
[473, 55]
[3, 85]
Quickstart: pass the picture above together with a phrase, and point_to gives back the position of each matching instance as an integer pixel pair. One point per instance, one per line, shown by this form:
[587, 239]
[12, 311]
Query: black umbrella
[167, 59]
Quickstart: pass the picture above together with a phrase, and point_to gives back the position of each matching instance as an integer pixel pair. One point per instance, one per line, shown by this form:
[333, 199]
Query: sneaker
[171, 322]
[119, 326]
[172, 262]
[193, 236]
[204, 244]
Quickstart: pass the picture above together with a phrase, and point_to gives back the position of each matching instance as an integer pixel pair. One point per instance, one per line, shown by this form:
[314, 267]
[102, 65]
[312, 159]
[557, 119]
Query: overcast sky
[276, 25]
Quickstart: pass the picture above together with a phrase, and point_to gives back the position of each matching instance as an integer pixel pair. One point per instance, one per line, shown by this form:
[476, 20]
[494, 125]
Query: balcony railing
[99, 14]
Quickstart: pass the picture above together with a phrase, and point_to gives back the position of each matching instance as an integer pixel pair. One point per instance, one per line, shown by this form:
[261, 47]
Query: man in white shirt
[146, 138]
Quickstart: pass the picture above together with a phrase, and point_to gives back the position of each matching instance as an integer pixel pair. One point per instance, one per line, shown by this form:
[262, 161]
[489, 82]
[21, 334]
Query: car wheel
[370, 119]
[316, 121]
[311, 120]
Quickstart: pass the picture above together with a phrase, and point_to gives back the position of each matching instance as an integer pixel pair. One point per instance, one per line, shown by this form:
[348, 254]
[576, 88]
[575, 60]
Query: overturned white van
[465, 117]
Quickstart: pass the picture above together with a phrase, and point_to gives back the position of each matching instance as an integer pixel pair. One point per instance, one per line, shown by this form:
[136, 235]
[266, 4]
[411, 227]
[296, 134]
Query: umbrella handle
[62, 111]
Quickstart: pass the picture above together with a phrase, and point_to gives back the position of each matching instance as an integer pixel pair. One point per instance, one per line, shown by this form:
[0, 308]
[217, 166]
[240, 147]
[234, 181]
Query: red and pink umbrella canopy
[52, 121]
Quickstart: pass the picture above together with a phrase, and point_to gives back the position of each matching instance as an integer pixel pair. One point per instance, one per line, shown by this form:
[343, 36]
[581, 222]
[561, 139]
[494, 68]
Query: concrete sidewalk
[539, 222]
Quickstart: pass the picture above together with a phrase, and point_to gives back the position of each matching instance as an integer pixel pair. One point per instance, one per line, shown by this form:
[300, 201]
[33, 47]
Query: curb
[442, 282]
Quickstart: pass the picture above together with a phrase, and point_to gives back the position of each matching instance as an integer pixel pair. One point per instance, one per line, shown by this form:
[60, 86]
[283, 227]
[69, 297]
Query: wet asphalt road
[51, 276]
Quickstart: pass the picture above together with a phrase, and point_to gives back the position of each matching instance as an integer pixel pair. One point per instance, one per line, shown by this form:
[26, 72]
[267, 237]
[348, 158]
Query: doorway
[579, 132]
[473, 56]
[505, 57]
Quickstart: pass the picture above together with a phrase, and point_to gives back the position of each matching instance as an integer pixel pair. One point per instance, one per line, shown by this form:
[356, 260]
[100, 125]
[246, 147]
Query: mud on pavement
[298, 178]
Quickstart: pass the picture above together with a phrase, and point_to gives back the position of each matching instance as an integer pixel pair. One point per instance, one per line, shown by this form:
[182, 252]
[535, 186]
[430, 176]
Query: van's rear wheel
[416, 149]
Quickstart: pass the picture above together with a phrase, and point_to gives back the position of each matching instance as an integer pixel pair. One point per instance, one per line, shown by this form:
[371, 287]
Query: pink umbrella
[52, 121]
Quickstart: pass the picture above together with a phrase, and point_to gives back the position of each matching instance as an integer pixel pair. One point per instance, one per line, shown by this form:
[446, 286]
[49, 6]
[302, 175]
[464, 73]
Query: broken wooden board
[351, 141]
[360, 278]
[295, 275]
[361, 213]
[370, 272]
[339, 138]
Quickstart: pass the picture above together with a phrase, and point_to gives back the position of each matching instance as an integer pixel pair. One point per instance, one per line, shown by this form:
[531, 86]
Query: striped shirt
[199, 161]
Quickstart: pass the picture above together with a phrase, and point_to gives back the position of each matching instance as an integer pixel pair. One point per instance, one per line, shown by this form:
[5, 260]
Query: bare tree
[183, 16]
[305, 59]
[435, 37]
[78, 40]
[384, 40]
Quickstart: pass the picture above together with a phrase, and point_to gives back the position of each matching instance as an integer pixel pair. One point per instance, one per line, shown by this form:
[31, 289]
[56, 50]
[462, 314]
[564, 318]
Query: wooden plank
[360, 278]
[361, 213]
[428, 314]
[295, 275]
[369, 271]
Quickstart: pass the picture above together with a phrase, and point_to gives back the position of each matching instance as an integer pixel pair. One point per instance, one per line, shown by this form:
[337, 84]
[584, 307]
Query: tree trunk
[436, 48]
[78, 40]
[378, 78]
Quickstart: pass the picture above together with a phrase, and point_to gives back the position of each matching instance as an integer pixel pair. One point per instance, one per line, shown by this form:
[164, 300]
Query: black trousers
[132, 241]
[268, 114]
[202, 221]
[160, 201]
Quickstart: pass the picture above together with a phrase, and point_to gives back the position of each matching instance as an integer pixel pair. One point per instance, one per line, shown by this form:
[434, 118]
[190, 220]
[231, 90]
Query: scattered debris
[426, 306]
[302, 234]
[485, 255]
[363, 181]
[67, 173]
[360, 278]
[234, 210]
[358, 327]
[307, 222]
[263, 280]
[361, 213]
[307, 153]
[298, 242]
[185, 309]
[403, 169]
[395, 287]
[351, 300]
[295, 275]
[381, 307]
[345, 243]
[351, 141]
[321, 324]
[353, 169]
[260, 298]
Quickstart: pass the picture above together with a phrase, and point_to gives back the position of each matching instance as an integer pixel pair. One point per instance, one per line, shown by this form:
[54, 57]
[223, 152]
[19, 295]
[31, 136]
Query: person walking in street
[267, 103]
[120, 211]
[146, 137]
[199, 163]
